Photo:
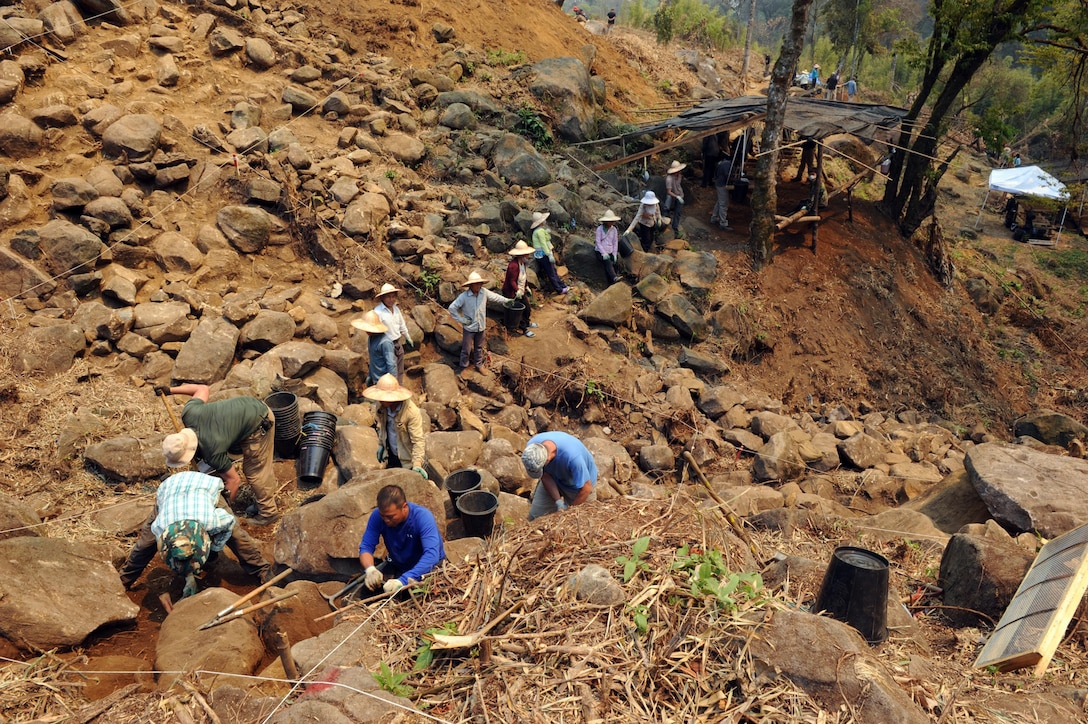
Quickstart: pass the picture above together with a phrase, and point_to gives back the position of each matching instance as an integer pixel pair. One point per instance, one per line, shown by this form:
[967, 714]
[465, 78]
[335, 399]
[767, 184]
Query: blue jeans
[547, 269]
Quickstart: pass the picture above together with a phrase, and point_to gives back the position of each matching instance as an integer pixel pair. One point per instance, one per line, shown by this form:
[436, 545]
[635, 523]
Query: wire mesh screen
[1032, 626]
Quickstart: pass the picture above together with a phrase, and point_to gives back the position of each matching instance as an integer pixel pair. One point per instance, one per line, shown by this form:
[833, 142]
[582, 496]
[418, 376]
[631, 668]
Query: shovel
[221, 616]
[351, 585]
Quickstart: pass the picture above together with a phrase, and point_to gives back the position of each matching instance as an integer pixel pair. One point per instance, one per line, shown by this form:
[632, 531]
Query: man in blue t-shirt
[565, 470]
[411, 537]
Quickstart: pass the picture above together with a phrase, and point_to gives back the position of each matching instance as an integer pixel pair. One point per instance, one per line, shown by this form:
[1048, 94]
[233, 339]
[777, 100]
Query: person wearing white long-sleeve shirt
[608, 244]
[397, 328]
[470, 311]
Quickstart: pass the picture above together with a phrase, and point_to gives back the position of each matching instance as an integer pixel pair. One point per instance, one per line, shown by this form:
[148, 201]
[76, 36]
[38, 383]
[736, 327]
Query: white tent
[1026, 181]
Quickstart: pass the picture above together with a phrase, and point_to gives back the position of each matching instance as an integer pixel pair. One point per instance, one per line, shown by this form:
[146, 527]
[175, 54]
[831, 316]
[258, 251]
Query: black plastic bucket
[477, 510]
[511, 314]
[284, 406]
[740, 190]
[855, 591]
[460, 482]
[318, 435]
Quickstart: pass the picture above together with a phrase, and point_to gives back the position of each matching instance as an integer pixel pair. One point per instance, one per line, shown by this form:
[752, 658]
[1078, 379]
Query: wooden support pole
[689, 138]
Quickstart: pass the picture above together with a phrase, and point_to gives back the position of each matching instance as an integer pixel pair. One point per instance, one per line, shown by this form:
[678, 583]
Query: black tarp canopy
[807, 117]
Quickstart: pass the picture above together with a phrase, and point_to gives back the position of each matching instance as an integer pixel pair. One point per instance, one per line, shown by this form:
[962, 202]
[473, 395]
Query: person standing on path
[383, 358]
[608, 244]
[832, 85]
[674, 193]
[470, 311]
[189, 528]
[397, 329]
[808, 159]
[711, 150]
[411, 538]
[719, 215]
[565, 470]
[399, 424]
[814, 77]
[213, 429]
[545, 252]
[646, 220]
[516, 285]
[851, 89]
[611, 21]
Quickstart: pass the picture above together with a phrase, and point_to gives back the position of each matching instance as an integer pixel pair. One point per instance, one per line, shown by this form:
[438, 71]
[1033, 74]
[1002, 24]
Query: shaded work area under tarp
[805, 117]
[1032, 182]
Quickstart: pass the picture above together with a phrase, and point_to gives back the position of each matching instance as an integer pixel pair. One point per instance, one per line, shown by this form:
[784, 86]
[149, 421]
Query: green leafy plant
[429, 280]
[424, 654]
[390, 174]
[393, 681]
[498, 56]
[530, 126]
[640, 616]
[595, 390]
[634, 563]
[710, 576]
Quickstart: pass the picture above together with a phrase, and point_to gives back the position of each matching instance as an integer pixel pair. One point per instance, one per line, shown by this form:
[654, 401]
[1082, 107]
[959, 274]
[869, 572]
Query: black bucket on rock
[284, 406]
[477, 510]
[511, 314]
[855, 591]
[460, 482]
[318, 435]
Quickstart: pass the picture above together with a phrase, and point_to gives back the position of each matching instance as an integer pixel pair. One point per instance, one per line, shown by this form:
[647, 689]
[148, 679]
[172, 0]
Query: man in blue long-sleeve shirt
[411, 537]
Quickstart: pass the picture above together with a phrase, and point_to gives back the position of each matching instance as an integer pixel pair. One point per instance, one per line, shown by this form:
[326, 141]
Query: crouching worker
[400, 425]
[411, 537]
[189, 529]
[565, 471]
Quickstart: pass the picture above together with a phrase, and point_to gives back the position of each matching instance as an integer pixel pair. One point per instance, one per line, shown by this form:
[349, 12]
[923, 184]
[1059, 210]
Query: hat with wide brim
[386, 289]
[609, 215]
[539, 217]
[475, 278]
[816, 66]
[387, 389]
[370, 323]
[179, 448]
[649, 198]
[676, 167]
[520, 249]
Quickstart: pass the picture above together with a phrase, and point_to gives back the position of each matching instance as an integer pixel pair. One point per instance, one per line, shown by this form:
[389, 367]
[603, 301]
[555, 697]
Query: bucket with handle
[477, 510]
[511, 314]
[460, 482]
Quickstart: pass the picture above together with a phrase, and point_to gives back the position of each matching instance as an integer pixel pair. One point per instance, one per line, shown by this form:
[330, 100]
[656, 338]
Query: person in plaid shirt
[189, 528]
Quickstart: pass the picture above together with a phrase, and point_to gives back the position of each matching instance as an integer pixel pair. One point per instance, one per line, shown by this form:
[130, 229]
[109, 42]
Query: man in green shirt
[240, 425]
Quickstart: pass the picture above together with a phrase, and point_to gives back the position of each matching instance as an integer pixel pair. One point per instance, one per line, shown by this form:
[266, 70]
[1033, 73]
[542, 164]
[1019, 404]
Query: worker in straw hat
[545, 252]
[674, 193]
[399, 423]
[213, 429]
[396, 328]
[189, 529]
[411, 537]
[383, 358]
[516, 284]
[565, 470]
[646, 221]
[470, 311]
[608, 244]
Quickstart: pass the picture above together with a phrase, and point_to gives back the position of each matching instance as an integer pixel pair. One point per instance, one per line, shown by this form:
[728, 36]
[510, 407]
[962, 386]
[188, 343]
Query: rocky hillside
[211, 193]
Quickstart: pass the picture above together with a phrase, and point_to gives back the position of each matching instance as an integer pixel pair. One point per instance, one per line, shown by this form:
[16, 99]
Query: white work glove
[561, 505]
[373, 577]
[393, 584]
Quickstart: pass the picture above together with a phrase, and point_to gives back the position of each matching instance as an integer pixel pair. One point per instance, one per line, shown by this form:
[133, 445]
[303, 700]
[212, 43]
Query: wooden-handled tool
[730, 516]
[170, 411]
[255, 592]
[248, 609]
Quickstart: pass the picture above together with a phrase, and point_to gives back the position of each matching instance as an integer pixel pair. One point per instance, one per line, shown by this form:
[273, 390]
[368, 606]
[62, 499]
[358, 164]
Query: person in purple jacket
[411, 537]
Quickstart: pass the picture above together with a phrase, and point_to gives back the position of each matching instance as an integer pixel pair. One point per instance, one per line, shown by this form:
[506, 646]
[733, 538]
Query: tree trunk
[748, 44]
[764, 195]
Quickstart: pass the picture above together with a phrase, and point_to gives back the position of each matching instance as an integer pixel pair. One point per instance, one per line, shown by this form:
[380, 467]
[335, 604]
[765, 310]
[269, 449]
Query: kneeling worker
[565, 470]
[189, 528]
[411, 536]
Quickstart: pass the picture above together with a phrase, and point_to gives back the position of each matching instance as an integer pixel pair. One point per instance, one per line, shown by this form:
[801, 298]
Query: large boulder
[69, 248]
[406, 149]
[1050, 427]
[564, 84]
[19, 137]
[175, 252]
[135, 137]
[365, 213]
[112, 11]
[580, 258]
[321, 539]
[18, 276]
[17, 519]
[981, 573]
[51, 349]
[232, 648]
[344, 695]
[72, 192]
[696, 270]
[56, 593]
[779, 459]
[247, 228]
[126, 459]
[682, 314]
[1030, 491]
[832, 663]
[518, 162]
[453, 450]
[268, 329]
[612, 307]
[207, 355]
[63, 22]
